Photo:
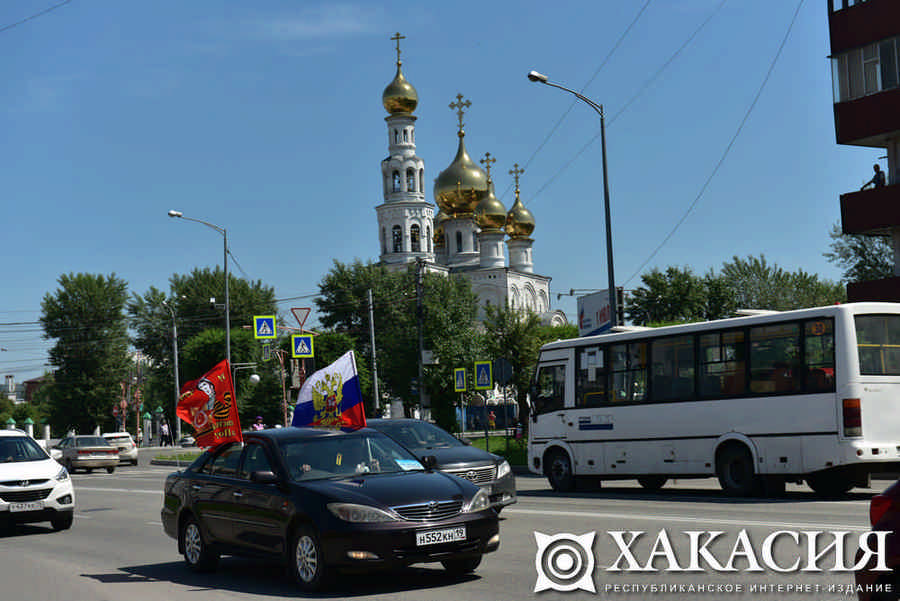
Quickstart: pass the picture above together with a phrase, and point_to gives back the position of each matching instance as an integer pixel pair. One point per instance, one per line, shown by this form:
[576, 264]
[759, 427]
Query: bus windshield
[878, 344]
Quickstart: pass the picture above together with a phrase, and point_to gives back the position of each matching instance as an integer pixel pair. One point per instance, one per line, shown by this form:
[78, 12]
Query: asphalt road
[117, 550]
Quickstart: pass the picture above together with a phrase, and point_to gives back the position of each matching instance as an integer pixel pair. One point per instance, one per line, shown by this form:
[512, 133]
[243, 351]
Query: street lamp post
[541, 78]
[224, 233]
[175, 354]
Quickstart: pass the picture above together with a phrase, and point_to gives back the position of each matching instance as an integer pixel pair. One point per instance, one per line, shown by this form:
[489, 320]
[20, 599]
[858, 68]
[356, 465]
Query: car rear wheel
[68, 465]
[307, 563]
[134, 462]
[110, 469]
[461, 566]
[62, 521]
[197, 554]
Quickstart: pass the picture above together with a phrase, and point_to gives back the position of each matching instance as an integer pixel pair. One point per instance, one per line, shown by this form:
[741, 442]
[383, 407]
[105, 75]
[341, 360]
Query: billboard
[593, 313]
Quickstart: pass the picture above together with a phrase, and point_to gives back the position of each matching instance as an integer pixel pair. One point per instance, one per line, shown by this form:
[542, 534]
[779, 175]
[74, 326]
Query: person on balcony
[877, 180]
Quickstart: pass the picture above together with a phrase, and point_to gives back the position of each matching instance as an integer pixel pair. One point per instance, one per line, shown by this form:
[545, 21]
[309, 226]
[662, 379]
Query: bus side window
[551, 389]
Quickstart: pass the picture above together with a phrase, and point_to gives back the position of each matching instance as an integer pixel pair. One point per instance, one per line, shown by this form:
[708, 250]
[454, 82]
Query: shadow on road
[259, 577]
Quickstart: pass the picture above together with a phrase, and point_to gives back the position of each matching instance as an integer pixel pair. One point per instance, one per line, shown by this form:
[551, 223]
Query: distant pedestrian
[259, 425]
[492, 421]
[877, 180]
[164, 434]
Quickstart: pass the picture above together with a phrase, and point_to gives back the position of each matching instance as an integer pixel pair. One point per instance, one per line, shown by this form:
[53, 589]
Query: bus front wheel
[652, 482]
[829, 485]
[559, 471]
[734, 468]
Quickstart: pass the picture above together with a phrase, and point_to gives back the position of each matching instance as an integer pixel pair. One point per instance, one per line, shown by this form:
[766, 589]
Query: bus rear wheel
[559, 471]
[734, 468]
[652, 482]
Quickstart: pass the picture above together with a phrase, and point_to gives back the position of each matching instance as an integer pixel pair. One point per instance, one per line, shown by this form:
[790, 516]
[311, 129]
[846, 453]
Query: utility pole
[420, 314]
[374, 360]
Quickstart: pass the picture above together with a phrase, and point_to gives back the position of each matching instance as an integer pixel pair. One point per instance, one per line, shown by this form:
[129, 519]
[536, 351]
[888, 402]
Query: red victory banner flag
[208, 405]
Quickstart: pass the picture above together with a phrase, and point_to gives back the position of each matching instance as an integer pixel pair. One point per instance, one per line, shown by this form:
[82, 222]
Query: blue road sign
[459, 379]
[483, 378]
[302, 346]
[264, 326]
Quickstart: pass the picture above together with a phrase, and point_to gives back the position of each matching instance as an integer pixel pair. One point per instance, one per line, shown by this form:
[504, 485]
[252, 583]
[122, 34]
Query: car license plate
[436, 537]
[32, 506]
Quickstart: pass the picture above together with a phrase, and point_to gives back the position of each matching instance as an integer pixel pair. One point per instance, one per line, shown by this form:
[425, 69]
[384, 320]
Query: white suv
[33, 487]
[128, 451]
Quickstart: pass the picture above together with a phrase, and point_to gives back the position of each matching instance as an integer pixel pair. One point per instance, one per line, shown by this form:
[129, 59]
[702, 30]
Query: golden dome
[460, 186]
[519, 220]
[439, 221]
[399, 96]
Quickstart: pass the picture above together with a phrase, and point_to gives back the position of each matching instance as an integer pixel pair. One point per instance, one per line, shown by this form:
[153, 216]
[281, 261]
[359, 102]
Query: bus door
[550, 404]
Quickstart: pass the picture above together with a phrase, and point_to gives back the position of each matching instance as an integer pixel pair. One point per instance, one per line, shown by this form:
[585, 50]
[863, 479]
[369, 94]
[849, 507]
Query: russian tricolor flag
[332, 397]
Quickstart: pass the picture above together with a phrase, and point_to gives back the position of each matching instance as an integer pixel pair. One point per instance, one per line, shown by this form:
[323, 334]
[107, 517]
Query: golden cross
[460, 107]
[396, 38]
[516, 172]
[487, 161]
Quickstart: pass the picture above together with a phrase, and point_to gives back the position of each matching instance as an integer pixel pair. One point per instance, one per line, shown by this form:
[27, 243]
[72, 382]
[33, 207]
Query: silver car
[128, 451]
[88, 453]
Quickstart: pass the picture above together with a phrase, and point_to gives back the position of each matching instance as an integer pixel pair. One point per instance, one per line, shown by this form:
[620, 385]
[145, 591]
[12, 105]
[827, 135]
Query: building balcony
[886, 290]
[871, 212]
[868, 121]
[853, 23]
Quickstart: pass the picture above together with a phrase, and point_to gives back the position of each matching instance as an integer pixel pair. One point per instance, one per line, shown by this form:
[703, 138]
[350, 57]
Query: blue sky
[266, 118]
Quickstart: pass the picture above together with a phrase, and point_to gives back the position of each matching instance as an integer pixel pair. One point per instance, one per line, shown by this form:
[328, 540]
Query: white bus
[757, 401]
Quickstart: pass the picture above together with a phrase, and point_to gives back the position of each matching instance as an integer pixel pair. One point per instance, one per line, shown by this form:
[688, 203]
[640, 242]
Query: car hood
[448, 457]
[29, 470]
[392, 490]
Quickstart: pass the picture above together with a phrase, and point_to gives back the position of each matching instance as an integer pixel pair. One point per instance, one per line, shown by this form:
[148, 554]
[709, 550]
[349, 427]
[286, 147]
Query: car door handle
[196, 487]
[237, 494]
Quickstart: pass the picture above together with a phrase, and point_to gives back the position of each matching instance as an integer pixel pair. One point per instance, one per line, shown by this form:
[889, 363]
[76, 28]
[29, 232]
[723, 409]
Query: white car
[33, 487]
[128, 451]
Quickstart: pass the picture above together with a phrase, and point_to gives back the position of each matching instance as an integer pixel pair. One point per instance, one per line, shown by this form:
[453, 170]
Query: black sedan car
[492, 473]
[321, 500]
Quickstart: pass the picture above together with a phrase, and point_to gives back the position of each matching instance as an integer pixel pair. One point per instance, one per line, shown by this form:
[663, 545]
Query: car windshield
[419, 435]
[20, 448]
[91, 441]
[345, 456]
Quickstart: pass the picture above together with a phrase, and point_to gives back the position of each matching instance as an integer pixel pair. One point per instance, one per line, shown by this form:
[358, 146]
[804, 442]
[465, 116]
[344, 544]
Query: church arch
[410, 180]
[396, 181]
[415, 244]
[397, 238]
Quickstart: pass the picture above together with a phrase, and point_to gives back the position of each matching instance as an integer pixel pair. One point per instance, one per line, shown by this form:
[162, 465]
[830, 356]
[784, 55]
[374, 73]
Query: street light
[224, 232]
[175, 354]
[541, 78]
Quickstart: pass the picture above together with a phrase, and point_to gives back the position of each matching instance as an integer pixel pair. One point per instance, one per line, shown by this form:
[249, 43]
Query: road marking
[128, 490]
[691, 520]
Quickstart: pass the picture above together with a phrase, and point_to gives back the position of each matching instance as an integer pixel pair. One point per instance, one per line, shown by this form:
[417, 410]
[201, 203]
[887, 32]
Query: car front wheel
[110, 470]
[197, 554]
[62, 521]
[307, 563]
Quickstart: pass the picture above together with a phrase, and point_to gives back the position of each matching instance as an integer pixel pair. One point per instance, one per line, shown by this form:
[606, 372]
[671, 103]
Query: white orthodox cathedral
[468, 234]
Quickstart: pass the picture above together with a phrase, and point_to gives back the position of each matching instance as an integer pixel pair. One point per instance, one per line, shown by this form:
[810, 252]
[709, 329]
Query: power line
[34, 16]
[727, 148]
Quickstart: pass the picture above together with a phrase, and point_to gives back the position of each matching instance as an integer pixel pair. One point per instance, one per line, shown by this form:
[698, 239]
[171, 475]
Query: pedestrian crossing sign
[302, 346]
[484, 379]
[459, 379]
[263, 326]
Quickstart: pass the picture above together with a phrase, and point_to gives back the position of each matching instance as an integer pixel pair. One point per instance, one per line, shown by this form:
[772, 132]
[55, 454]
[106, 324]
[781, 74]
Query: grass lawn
[516, 455]
[184, 456]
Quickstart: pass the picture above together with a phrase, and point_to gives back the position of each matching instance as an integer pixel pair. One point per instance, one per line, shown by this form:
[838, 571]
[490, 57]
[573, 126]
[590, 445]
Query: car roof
[15, 432]
[292, 433]
[105, 434]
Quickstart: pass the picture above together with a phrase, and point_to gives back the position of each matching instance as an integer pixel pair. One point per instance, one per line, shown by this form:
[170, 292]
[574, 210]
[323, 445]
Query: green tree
[862, 258]
[673, 296]
[755, 284]
[86, 317]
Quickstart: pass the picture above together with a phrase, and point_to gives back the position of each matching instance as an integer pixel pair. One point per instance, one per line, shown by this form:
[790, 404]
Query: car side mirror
[264, 477]
[429, 461]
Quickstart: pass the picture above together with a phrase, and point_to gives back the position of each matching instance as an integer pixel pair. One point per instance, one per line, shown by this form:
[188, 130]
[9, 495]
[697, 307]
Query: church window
[405, 135]
[383, 242]
[411, 180]
[422, 179]
[414, 238]
[475, 241]
[397, 237]
[396, 176]
[459, 242]
[428, 236]
[396, 136]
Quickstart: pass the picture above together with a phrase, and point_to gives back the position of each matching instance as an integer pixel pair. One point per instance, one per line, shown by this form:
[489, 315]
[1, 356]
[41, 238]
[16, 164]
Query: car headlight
[503, 469]
[63, 475]
[350, 512]
[479, 502]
